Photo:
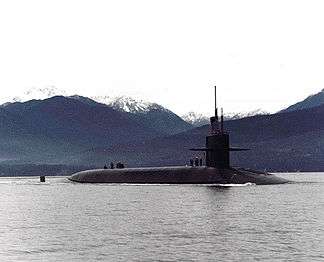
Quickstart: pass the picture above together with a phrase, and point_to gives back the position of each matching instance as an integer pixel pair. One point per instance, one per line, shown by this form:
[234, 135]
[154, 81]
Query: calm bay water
[64, 221]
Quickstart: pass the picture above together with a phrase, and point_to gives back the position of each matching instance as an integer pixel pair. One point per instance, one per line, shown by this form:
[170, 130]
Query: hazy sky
[261, 54]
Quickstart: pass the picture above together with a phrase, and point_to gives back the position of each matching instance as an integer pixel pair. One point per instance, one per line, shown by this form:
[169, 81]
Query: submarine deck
[176, 175]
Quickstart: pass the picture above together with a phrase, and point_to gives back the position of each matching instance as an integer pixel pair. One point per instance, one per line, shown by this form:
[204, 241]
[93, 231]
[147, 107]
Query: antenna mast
[222, 121]
[214, 120]
[216, 109]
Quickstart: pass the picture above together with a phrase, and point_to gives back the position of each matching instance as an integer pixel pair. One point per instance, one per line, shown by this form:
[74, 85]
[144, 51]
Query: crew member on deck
[196, 161]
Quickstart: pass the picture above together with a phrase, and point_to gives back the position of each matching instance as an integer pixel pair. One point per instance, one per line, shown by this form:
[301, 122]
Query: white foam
[235, 185]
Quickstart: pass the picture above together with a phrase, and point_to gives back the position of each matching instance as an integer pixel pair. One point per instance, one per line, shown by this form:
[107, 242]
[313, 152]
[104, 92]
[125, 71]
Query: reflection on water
[62, 221]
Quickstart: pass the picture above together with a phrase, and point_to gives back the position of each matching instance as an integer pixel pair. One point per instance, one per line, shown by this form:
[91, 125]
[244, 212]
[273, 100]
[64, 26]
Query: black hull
[176, 175]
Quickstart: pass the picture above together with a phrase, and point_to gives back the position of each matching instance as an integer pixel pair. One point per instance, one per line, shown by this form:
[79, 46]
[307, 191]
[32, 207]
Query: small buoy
[42, 178]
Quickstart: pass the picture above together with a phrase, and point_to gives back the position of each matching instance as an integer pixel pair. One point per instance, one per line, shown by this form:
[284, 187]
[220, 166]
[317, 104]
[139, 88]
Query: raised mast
[214, 120]
[222, 121]
[216, 109]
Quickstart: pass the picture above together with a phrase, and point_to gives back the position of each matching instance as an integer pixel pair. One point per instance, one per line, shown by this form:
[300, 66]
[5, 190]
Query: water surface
[64, 221]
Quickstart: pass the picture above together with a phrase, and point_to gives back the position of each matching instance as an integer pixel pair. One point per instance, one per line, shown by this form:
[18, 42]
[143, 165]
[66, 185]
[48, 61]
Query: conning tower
[217, 142]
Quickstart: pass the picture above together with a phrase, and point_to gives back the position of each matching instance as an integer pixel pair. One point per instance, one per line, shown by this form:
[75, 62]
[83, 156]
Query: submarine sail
[218, 143]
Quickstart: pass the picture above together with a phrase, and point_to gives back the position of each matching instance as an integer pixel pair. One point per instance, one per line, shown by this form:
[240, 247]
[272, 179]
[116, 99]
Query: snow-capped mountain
[37, 93]
[197, 119]
[128, 104]
[155, 116]
[257, 112]
[120, 103]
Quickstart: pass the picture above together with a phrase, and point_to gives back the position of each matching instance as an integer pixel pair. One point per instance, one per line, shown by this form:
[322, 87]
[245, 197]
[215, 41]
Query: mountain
[81, 131]
[236, 115]
[279, 142]
[310, 102]
[37, 94]
[127, 104]
[156, 116]
[9, 125]
[197, 119]
[54, 129]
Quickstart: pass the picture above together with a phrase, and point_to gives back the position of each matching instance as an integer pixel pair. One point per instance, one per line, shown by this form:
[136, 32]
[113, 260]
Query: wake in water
[234, 185]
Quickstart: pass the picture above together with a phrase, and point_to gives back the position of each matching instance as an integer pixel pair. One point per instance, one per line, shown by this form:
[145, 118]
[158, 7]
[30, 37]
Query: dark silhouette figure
[120, 165]
[112, 165]
[191, 162]
[200, 162]
[105, 167]
[196, 161]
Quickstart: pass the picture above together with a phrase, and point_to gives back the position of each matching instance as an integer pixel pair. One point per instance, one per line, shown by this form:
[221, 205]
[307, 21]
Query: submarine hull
[176, 175]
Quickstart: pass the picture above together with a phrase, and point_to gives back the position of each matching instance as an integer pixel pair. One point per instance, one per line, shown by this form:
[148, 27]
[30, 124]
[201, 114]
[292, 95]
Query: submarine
[217, 168]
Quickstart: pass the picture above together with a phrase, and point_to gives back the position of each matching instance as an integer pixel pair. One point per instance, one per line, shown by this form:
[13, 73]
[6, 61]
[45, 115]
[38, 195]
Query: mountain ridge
[311, 101]
[126, 104]
[78, 130]
[198, 119]
[69, 125]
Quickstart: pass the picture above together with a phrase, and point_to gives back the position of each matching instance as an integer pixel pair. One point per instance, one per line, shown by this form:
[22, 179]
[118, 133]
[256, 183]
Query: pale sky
[260, 54]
